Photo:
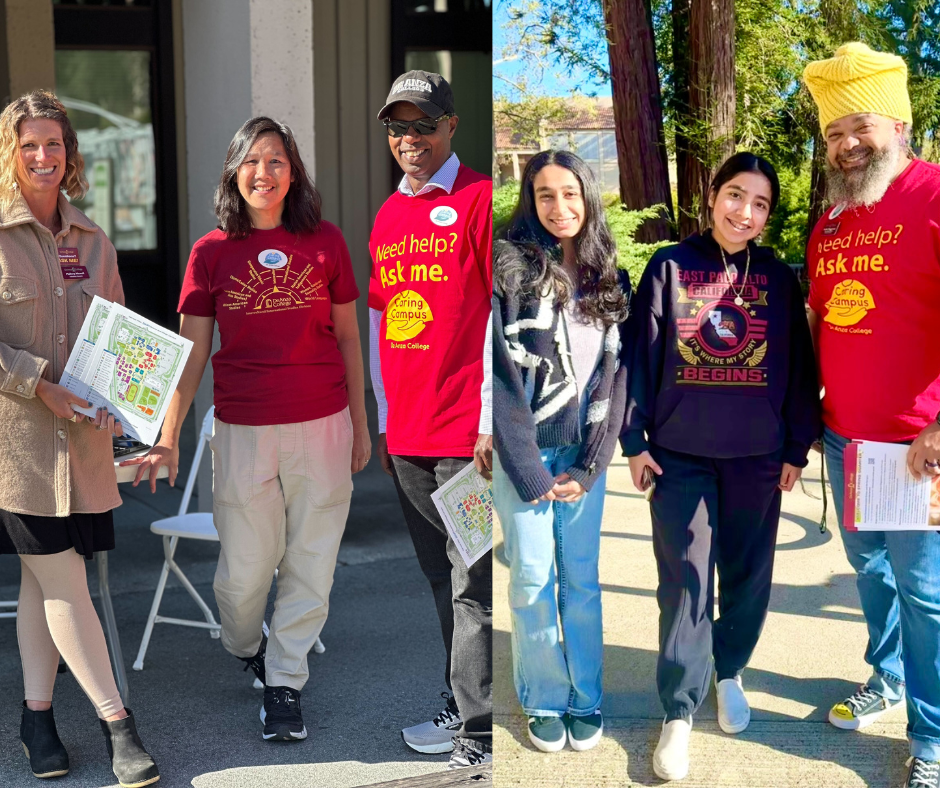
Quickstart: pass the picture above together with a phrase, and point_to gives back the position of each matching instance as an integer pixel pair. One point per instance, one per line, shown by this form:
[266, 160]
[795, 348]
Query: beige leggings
[56, 616]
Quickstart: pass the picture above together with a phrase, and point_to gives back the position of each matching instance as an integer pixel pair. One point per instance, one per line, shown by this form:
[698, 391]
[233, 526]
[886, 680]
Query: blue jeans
[898, 581]
[554, 678]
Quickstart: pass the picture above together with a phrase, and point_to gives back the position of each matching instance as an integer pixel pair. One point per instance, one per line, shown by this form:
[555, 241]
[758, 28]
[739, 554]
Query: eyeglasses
[423, 126]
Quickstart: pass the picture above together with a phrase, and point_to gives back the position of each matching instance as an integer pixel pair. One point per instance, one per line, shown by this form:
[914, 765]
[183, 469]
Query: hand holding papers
[465, 503]
[127, 364]
[881, 494]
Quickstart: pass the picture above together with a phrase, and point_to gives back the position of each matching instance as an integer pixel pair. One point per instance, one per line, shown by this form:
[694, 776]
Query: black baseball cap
[427, 91]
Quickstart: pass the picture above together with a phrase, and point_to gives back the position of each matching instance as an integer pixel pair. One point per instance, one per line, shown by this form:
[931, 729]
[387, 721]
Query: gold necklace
[747, 267]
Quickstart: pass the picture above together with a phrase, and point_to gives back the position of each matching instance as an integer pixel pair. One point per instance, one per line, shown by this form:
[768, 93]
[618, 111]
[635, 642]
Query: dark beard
[865, 188]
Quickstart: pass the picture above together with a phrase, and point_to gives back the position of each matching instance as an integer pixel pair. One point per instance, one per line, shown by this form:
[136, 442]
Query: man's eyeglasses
[423, 126]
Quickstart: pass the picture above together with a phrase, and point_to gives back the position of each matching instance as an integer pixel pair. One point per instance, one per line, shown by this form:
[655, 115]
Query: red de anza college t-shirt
[271, 294]
[432, 279]
[875, 284]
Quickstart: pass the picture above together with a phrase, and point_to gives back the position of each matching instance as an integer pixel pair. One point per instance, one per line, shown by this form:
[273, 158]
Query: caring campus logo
[722, 343]
[272, 258]
[443, 216]
[849, 303]
[407, 315]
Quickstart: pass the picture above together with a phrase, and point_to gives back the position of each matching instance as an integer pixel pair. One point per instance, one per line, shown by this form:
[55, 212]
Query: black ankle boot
[47, 756]
[130, 762]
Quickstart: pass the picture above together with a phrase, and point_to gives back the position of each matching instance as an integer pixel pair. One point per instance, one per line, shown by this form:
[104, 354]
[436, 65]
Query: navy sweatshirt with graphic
[715, 378]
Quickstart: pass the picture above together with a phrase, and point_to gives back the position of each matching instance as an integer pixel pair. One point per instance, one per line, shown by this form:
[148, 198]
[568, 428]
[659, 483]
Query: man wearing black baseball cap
[429, 299]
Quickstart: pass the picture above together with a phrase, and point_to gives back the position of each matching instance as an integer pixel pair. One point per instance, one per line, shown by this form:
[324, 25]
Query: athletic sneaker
[585, 732]
[548, 734]
[281, 715]
[861, 709]
[671, 758]
[466, 754]
[256, 663]
[734, 713]
[436, 735]
[923, 774]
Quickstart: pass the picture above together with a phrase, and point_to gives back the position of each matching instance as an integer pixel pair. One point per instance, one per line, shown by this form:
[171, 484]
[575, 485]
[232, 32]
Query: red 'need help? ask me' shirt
[875, 284]
[432, 279]
[271, 294]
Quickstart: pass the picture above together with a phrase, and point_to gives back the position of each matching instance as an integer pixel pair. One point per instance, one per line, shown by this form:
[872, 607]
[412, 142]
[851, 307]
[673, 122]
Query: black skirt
[29, 534]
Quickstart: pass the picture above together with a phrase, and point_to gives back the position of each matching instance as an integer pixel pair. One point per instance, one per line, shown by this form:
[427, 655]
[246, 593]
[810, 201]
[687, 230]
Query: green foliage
[623, 224]
[786, 230]
[504, 200]
[631, 254]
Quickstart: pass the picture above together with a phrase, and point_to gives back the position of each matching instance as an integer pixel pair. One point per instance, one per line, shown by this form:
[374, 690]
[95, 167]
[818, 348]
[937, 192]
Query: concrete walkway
[197, 711]
[810, 655]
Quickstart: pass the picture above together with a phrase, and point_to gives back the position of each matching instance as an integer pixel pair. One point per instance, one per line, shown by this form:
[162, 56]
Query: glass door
[114, 75]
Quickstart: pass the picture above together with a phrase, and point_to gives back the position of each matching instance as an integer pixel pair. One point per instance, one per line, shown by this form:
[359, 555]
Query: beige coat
[48, 465]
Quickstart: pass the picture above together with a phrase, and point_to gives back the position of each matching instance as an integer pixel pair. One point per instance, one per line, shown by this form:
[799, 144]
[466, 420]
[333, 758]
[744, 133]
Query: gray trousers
[463, 597]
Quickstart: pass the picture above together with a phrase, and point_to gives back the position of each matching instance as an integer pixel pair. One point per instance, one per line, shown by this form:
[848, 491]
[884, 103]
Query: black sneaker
[861, 709]
[923, 774]
[466, 754]
[281, 715]
[256, 663]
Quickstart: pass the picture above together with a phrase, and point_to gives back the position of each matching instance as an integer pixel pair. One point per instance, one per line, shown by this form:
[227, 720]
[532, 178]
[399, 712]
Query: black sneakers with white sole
[281, 715]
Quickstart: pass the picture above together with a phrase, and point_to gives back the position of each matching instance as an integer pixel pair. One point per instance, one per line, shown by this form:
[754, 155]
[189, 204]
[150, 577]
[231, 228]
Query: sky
[552, 84]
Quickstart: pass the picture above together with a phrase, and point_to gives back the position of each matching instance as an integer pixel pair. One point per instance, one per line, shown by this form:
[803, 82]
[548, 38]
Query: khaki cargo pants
[280, 500]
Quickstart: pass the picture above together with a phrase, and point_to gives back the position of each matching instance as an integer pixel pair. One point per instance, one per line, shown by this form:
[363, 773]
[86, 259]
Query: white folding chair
[195, 525]
[9, 614]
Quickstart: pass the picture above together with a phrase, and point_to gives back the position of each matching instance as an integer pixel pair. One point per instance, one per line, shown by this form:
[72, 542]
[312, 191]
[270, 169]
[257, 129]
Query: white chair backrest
[204, 435]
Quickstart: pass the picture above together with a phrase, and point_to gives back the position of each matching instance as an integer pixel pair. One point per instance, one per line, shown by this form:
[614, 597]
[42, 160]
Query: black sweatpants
[711, 512]
[463, 597]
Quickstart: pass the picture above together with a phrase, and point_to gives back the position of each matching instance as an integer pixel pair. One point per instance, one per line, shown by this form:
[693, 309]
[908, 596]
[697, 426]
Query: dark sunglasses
[423, 126]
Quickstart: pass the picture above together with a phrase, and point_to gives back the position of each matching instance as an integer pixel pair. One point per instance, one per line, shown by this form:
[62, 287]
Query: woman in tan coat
[57, 481]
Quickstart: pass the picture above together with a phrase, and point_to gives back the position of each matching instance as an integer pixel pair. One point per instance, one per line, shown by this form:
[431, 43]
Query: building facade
[158, 88]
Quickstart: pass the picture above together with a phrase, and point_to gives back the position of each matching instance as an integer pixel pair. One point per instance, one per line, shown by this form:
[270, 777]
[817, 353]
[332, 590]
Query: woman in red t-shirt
[290, 426]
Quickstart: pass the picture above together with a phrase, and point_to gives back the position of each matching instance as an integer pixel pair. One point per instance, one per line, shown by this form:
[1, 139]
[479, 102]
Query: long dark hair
[747, 162]
[539, 265]
[302, 201]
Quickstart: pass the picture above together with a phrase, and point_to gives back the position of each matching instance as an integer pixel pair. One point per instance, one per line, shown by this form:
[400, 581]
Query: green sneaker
[548, 734]
[585, 732]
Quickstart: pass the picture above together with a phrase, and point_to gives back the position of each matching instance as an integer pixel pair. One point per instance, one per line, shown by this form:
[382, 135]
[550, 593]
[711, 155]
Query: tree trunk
[817, 183]
[638, 115]
[681, 70]
[710, 125]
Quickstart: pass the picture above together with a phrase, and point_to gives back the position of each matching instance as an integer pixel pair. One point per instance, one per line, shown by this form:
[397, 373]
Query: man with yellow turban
[874, 267]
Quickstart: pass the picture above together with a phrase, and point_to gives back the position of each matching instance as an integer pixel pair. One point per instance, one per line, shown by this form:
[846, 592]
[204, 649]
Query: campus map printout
[881, 494]
[465, 503]
[129, 365]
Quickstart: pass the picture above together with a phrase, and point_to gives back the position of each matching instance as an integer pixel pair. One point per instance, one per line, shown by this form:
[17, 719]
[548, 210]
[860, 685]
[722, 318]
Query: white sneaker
[734, 713]
[671, 759]
[436, 735]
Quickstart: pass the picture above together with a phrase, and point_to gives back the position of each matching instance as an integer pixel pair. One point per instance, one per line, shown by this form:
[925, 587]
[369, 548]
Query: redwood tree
[703, 63]
[641, 142]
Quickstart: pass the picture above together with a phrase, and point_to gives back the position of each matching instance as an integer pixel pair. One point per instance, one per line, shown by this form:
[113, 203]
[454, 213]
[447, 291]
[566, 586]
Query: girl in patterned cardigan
[559, 394]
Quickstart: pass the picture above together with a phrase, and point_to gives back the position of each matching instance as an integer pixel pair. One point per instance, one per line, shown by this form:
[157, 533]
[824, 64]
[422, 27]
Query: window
[107, 94]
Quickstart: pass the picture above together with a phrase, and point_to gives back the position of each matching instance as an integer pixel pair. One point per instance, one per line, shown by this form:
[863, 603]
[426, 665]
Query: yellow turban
[859, 80]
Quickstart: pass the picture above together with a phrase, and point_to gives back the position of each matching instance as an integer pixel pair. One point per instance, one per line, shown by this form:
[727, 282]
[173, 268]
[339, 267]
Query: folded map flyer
[465, 503]
[127, 364]
[881, 494]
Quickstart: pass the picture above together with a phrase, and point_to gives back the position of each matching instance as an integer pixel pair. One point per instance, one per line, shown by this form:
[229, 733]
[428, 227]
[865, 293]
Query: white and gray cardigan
[535, 396]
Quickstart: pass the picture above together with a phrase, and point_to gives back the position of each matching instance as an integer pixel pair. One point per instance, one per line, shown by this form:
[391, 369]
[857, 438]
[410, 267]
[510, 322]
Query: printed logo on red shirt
[858, 251]
[277, 287]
